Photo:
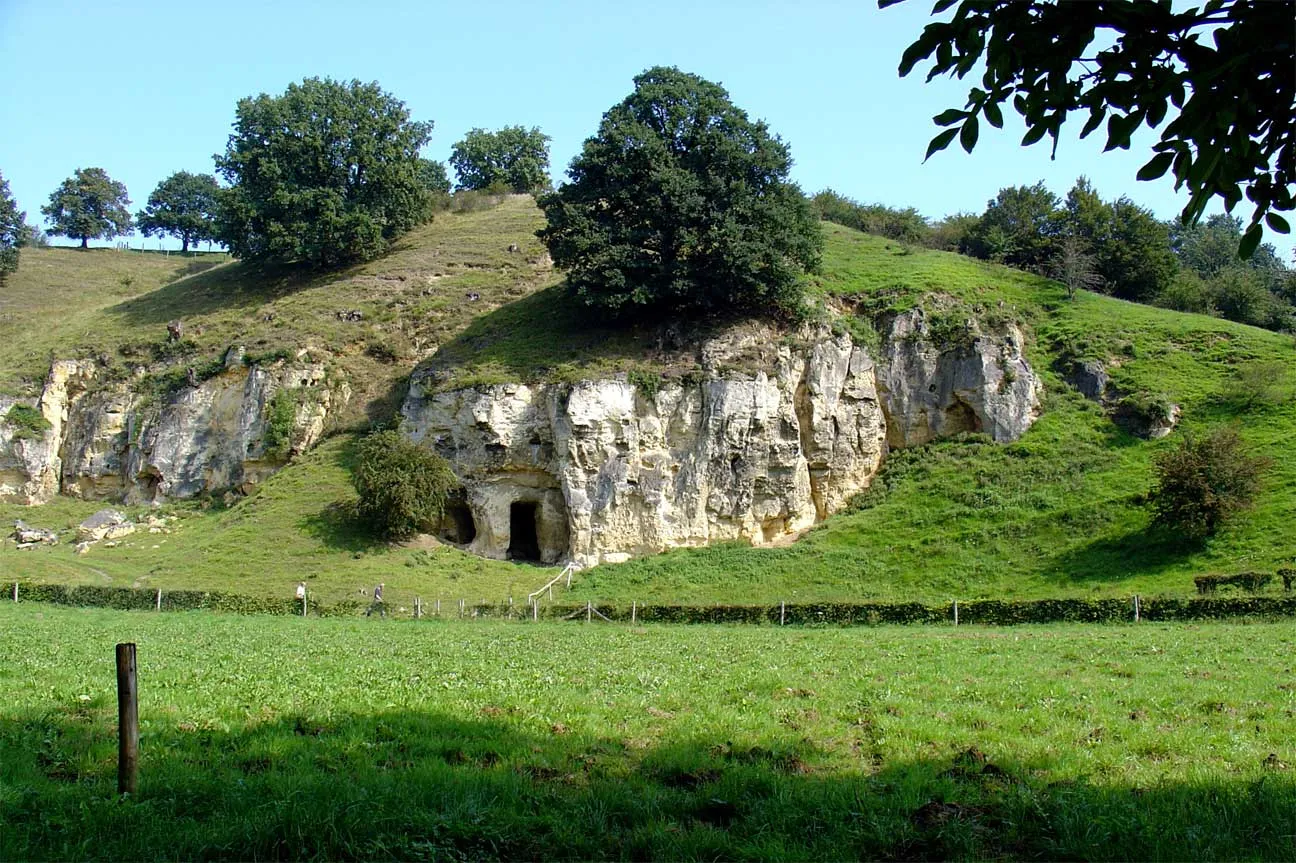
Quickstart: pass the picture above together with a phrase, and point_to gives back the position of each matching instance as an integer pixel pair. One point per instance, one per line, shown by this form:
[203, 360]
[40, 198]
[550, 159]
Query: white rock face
[105, 443]
[983, 384]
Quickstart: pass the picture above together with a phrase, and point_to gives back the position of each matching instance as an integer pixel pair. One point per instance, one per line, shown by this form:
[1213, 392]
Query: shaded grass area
[287, 739]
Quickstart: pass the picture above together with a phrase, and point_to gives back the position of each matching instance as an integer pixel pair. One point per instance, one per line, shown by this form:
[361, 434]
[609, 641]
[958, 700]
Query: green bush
[402, 486]
[281, 419]
[1203, 482]
[28, 423]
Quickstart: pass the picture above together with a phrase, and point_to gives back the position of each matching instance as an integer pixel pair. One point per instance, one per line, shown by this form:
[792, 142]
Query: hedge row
[143, 599]
[992, 612]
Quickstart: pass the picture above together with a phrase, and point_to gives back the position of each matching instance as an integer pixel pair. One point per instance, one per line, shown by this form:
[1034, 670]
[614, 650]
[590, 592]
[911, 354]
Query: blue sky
[144, 90]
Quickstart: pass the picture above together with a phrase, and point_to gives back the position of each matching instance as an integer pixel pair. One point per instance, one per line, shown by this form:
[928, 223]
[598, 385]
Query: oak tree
[90, 205]
[184, 206]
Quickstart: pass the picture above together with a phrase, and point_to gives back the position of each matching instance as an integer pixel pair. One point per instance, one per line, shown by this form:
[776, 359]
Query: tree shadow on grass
[337, 524]
[1142, 552]
[235, 285]
[508, 785]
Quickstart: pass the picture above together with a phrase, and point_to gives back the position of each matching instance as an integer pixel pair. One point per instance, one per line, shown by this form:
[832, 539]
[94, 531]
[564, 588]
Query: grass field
[277, 738]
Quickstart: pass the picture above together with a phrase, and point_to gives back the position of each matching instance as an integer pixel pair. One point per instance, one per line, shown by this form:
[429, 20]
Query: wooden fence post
[15, 591]
[127, 721]
[159, 599]
[535, 609]
[634, 611]
[782, 611]
[589, 613]
[461, 608]
[956, 612]
[1136, 608]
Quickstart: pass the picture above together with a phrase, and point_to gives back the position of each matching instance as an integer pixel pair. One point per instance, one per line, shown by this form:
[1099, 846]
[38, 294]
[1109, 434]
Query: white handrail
[566, 573]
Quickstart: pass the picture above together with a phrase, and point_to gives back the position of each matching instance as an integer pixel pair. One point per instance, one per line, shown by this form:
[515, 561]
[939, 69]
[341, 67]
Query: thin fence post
[1136, 608]
[782, 611]
[418, 608]
[535, 609]
[15, 591]
[551, 593]
[159, 599]
[589, 613]
[438, 606]
[569, 575]
[956, 612]
[127, 721]
[305, 603]
[634, 611]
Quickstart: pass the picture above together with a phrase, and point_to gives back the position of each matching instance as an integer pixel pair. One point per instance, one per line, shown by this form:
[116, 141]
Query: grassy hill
[1057, 513]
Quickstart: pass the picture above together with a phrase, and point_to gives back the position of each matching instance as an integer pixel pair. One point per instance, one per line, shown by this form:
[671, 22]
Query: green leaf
[993, 115]
[949, 118]
[968, 133]
[1250, 241]
[1034, 134]
[1157, 167]
[1095, 120]
[940, 142]
[941, 5]
[1277, 223]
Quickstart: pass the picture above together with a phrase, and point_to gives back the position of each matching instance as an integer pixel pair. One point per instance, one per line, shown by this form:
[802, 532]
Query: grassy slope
[280, 738]
[1055, 514]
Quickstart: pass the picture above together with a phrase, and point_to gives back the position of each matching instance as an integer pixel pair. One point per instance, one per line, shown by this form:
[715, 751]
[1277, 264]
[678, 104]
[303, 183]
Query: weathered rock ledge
[602, 470]
[105, 441]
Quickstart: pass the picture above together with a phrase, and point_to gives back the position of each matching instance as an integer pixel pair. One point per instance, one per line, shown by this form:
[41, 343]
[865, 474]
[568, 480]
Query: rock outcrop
[602, 470]
[978, 382]
[104, 441]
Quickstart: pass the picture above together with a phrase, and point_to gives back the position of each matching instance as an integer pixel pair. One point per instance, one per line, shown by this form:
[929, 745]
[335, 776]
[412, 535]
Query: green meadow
[281, 738]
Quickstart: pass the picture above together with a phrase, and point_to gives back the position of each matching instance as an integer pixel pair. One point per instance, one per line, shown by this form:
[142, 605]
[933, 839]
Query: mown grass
[288, 739]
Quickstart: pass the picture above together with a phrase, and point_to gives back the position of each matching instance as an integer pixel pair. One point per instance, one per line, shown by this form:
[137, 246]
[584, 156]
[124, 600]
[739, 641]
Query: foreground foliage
[329, 173]
[291, 739]
[681, 202]
[1225, 65]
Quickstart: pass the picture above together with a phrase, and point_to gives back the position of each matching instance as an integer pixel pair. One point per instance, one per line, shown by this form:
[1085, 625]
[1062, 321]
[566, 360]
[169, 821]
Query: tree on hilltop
[183, 205]
[327, 174]
[89, 205]
[14, 232]
[1225, 65]
[512, 157]
[680, 202]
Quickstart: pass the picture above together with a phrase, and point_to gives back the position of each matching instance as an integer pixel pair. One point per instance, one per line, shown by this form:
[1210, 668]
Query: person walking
[377, 604]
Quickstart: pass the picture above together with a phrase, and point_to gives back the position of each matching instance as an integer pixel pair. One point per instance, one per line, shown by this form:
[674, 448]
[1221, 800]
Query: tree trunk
[85, 242]
[184, 238]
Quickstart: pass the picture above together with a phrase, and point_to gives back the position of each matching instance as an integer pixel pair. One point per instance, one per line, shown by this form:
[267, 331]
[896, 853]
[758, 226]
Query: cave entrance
[458, 526]
[524, 534]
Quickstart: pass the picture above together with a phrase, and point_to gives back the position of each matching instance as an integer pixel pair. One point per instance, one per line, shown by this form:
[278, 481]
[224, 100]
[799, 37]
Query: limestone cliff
[106, 441]
[601, 470]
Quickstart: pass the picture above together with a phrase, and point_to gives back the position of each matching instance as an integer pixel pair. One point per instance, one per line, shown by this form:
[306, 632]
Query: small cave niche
[458, 526]
[959, 417]
[524, 532]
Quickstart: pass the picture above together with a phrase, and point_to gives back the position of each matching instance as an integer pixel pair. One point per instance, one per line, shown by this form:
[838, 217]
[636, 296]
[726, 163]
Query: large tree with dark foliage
[327, 174]
[183, 205]
[681, 202]
[513, 157]
[89, 205]
[1224, 65]
[13, 230]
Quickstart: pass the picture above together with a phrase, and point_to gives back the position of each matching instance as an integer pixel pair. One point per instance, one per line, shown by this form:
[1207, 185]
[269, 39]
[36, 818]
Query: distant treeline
[1114, 247]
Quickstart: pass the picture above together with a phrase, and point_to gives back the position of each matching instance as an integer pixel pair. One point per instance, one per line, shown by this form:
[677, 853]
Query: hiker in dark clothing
[377, 604]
